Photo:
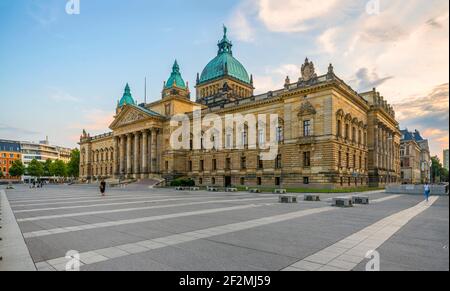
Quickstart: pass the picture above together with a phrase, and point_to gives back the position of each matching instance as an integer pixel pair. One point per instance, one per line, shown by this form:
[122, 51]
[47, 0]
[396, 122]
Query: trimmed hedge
[182, 182]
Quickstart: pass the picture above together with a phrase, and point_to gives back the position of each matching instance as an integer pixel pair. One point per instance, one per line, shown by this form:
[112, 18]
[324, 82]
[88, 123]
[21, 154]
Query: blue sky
[60, 73]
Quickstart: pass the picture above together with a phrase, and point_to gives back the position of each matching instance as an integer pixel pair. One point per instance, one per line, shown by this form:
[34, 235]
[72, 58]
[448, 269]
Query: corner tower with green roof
[175, 85]
[224, 77]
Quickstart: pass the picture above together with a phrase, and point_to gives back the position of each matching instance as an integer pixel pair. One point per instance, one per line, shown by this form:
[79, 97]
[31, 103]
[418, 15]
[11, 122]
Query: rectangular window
[214, 165]
[202, 165]
[167, 109]
[306, 180]
[261, 137]
[277, 181]
[228, 142]
[228, 164]
[243, 163]
[306, 159]
[260, 163]
[347, 160]
[340, 159]
[339, 128]
[307, 128]
[354, 161]
[258, 181]
[242, 181]
[278, 162]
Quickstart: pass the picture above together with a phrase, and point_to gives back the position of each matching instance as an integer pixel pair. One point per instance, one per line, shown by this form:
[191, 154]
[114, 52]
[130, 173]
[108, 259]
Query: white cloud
[294, 15]
[240, 27]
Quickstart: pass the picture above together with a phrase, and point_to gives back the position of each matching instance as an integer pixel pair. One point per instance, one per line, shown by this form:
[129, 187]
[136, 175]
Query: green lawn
[310, 190]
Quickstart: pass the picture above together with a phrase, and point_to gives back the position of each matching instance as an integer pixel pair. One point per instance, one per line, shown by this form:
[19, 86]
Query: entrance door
[227, 181]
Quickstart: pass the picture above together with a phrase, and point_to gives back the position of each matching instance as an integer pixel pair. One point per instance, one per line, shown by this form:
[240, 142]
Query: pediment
[130, 115]
[306, 109]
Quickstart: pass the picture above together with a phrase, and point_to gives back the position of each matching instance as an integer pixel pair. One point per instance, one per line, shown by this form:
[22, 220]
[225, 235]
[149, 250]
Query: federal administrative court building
[329, 135]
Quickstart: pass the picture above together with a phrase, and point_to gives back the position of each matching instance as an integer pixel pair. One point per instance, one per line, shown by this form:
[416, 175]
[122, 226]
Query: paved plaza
[136, 228]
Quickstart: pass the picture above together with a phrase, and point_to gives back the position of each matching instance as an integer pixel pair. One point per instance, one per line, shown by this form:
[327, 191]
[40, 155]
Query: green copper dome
[127, 99]
[175, 79]
[224, 64]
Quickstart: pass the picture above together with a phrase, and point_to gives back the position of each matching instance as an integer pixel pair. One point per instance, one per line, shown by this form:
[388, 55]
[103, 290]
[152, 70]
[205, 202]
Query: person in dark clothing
[103, 187]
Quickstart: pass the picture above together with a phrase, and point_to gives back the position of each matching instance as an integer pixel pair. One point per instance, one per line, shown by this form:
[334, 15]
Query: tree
[58, 169]
[1, 174]
[73, 167]
[438, 172]
[17, 169]
[47, 166]
[35, 169]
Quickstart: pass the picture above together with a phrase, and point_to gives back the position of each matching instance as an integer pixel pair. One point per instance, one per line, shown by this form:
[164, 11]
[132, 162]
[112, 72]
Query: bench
[312, 197]
[279, 191]
[180, 188]
[231, 189]
[212, 189]
[194, 189]
[360, 200]
[254, 191]
[288, 199]
[342, 202]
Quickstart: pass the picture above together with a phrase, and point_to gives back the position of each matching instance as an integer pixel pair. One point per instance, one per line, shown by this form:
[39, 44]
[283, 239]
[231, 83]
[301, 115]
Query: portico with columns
[136, 142]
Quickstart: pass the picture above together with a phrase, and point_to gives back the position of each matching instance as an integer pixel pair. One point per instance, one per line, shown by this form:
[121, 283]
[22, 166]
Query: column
[144, 152]
[129, 162]
[116, 168]
[376, 147]
[136, 153]
[153, 150]
[122, 155]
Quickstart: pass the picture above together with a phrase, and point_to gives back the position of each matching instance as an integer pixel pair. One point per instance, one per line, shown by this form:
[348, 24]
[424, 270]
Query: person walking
[427, 191]
[103, 187]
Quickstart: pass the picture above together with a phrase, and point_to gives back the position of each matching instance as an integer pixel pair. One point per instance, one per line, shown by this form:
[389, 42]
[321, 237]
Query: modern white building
[43, 151]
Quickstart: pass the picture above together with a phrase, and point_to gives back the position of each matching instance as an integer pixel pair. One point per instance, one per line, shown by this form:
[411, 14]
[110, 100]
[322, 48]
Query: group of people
[37, 184]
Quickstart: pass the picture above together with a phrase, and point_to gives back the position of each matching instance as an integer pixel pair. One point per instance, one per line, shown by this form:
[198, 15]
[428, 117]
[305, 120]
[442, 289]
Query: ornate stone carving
[130, 117]
[308, 71]
[307, 109]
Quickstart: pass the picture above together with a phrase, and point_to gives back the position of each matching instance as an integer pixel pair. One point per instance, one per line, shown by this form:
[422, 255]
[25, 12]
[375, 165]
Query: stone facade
[329, 136]
[415, 158]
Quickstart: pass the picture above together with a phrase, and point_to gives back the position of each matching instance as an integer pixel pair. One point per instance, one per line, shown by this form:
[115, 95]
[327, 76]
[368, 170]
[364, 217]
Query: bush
[182, 182]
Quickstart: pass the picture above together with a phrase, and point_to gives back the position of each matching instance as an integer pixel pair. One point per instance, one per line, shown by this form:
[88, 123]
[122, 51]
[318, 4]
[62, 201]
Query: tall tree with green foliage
[35, 169]
[47, 166]
[73, 167]
[438, 172]
[58, 169]
[17, 169]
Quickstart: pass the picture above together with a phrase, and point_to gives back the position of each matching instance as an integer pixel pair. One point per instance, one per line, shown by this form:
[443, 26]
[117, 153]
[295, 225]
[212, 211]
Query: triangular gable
[132, 114]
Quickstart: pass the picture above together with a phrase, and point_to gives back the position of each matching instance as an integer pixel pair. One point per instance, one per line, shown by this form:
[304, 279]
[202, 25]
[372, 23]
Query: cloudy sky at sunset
[60, 73]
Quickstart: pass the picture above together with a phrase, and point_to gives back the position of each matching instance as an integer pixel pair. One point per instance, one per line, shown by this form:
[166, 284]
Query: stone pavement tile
[330, 269]
[93, 259]
[292, 269]
[138, 262]
[342, 264]
[236, 255]
[305, 265]
[112, 252]
[350, 259]
[57, 261]
[322, 257]
[133, 248]
[148, 244]
[183, 260]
